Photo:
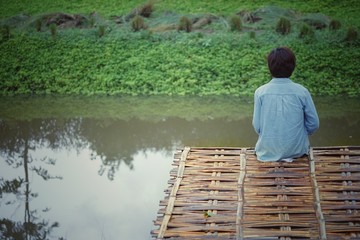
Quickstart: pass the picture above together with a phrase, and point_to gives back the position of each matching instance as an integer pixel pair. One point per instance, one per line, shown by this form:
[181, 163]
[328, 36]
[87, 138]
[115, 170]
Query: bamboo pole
[240, 209]
[172, 197]
[319, 214]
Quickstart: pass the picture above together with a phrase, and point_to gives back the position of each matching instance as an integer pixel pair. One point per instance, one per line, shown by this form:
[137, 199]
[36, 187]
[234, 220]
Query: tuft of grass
[138, 23]
[185, 24]
[334, 25]
[252, 34]
[38, 24]
[306, 31]
[235, 23]
[146, 10]
[351, 34]
[53, 30]
[101, 30]
[283, 26]
[5, 32]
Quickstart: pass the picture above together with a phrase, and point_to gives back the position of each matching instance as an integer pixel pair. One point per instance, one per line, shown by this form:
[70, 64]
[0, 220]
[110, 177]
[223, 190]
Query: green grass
[212, 60]
[344, 10]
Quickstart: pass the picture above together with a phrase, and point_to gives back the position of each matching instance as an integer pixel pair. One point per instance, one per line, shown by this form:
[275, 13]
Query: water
[96, 167]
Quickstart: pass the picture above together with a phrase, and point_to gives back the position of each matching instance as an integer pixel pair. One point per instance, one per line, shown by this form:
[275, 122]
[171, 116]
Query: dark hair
[281, 62]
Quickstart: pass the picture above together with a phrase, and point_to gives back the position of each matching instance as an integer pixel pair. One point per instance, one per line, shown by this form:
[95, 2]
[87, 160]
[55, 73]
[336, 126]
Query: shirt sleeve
[257, 113]
[310, 115]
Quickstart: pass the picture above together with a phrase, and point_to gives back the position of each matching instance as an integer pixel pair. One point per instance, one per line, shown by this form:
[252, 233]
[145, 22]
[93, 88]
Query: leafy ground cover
[77, 51]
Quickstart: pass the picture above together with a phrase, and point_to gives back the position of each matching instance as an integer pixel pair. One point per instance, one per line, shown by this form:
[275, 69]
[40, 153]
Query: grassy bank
[161, 60]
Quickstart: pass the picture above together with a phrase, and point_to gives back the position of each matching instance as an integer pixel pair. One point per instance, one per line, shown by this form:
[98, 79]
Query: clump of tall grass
[101, 31]
[53, 30]
[306, 31]
[5, 32]
[252, 34]
[185, 24]
[351, 34]
[38, 24]
[283, 26]
[334, 25]
[146, 10]
[235, 23]
[138, 23]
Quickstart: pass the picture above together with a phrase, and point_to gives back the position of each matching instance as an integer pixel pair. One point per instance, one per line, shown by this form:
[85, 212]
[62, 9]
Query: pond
[97, 167]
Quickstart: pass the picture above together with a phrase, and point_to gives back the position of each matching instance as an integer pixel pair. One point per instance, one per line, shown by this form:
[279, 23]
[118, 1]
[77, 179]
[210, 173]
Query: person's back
[284, 113]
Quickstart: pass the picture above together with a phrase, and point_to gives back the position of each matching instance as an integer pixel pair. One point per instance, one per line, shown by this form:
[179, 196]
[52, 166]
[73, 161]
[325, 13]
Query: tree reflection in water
[18, 140]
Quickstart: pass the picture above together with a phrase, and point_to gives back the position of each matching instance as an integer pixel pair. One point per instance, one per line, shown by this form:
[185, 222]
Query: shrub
[101, 31]
[38, 24]
[351, 34]
[306, 31]
[146, 10]
[92, 21]
[283, 26]
[252, 35]
[138, 23]
[185, 24]
[235, 23]
[53, 30]
[5, 32]
[334, 25]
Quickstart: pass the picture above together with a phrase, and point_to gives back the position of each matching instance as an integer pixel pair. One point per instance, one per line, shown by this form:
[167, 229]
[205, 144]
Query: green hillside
[196, 47]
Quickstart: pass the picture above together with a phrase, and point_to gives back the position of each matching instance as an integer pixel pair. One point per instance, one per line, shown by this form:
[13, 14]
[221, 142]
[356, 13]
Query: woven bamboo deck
[225, 193]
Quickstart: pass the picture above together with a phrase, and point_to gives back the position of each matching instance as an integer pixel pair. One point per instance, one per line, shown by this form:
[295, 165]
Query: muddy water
[96, 167]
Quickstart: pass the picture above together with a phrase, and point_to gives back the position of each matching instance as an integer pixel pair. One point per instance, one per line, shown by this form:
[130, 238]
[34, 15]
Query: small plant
[146, 10]
[138, 23]
[38, 24]
[334, 25]
[306, 31]
[252, 35]
[283, 26]
[53, 30]
[5, 32]
[92, 21]
[101, 30]
[185, 24]
[351, 35]
[235, 23]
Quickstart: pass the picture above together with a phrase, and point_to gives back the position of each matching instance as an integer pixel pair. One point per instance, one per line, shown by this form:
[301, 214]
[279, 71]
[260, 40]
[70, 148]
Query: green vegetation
[185, 24]
[283, 26]
[235, 23]
[138, 23]
[110, 51]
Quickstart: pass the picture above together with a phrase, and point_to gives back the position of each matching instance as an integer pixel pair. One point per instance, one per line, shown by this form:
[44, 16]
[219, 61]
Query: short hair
[281, 62]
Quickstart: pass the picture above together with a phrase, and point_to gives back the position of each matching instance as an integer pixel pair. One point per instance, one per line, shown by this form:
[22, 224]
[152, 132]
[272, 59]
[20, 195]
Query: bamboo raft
[226, 193]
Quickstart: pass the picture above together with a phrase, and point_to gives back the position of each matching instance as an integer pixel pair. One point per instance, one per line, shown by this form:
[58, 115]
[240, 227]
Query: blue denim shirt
[284, 116]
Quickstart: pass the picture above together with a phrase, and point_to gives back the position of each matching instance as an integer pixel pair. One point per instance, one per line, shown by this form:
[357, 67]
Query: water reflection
[95, 168]
[17, 143]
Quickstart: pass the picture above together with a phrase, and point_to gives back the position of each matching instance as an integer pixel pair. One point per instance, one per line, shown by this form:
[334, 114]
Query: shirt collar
[280, 80]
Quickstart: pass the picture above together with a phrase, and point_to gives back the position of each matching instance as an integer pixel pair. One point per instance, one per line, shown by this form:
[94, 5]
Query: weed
[92, 21]
[235, 23]
[38, 24]
[185, 24]
[138, 23]
[252, 34]
[334, 25]
[306, 31]
[146, 10]
[5, 32]
[101, 31]
[283, 26]
[53, 30]
[351, 34]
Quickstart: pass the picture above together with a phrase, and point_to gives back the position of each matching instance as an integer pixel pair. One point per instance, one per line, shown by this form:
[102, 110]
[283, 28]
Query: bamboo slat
[226, 193]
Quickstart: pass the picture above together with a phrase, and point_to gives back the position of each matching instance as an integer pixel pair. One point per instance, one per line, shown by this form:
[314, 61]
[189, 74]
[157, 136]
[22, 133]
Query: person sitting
[284, 112]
